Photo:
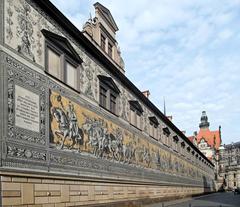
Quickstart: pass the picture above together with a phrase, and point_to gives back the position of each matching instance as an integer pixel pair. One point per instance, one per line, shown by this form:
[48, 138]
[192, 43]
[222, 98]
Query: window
[61, 60]
[108, 93]
[103, 42]
[138, 120]
[110, 50]
[183, 147]
[167, 133]
[153, 127]
[175, 143]
[113, 103]
[71, 75]
[53, 63]
[103, 97]
[135, 114]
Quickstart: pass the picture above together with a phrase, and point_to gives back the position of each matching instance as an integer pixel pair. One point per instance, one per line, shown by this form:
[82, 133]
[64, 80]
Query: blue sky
[187, 51]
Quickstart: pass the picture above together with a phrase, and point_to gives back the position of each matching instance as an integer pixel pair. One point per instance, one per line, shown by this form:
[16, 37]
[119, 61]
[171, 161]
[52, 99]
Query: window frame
[137, 116]
[175, 143]
[77, 68]
[103, 36]
[153, 129]
[103, 101]
[64, 58]
[109, 93]
[110, 45]
[113, 107]
[166, 133]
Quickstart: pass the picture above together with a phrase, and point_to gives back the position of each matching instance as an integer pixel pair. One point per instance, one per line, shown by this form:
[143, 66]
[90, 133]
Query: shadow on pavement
[213, 200]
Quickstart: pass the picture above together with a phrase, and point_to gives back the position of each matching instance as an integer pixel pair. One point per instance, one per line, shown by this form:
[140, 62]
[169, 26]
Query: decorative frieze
[25, 153]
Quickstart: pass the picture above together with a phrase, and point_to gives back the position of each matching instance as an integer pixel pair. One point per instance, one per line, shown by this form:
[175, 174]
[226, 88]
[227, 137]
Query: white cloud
[187, 51]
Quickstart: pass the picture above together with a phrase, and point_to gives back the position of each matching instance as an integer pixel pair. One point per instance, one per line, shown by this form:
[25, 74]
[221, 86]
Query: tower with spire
[204, 124]
[208, 141]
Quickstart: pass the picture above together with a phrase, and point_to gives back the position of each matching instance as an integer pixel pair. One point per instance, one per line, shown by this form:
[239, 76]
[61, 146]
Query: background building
[229, 166]
[226, 158]
[207, 141]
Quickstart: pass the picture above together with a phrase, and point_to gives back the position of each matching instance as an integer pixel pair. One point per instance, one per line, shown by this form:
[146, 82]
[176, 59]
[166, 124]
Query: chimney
[195, 133]
[184, 132]
[146, 93]
[170, 118]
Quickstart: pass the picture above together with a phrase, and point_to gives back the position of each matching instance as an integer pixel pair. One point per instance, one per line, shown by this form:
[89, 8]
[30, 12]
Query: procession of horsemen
[103, 143]
[94, 134]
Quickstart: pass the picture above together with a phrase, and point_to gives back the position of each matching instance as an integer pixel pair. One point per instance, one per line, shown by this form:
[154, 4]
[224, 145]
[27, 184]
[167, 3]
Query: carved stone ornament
[21, 152]
[19, 75]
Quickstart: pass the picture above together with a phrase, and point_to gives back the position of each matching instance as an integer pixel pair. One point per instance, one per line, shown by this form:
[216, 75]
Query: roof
[213, 138]
[54, 13]
[191, 138]
[232, 145]
[107, 15]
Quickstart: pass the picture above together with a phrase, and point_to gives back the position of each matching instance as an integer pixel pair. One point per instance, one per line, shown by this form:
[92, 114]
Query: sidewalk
[174, 202]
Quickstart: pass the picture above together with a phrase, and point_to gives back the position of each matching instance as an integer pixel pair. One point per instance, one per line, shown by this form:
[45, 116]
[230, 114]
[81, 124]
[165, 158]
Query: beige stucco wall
[42, 191]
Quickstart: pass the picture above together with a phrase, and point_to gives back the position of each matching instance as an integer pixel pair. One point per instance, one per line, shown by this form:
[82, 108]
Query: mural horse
[65, 130]
[103, 143]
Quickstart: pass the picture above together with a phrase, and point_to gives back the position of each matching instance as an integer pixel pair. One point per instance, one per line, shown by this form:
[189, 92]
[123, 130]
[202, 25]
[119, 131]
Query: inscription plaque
[26, 109]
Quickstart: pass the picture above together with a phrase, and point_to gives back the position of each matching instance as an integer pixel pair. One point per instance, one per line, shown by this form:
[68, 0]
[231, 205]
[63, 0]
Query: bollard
[190, 205]
[162, 204]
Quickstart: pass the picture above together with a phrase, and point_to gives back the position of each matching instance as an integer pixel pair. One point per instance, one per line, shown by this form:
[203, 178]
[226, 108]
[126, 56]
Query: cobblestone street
[213, 200]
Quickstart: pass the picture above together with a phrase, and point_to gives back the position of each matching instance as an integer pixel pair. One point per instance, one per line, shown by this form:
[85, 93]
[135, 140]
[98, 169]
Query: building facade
[74, 130]
[206, 140]
[229, 166]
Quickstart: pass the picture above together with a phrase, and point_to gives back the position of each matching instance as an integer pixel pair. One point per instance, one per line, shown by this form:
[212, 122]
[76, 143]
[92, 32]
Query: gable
[107, 15]
[109, 82]
[166, 130]
[212, 138]
[136, 105]
[62, 43]
[154, 120]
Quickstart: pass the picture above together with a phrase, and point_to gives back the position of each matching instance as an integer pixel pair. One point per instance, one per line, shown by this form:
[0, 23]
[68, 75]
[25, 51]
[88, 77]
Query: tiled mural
[77, 129]
[74, 128]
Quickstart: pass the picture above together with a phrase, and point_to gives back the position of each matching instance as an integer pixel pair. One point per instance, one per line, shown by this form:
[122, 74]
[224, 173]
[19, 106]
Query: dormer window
[108, 94]
[135, 114]
[153, 127]
[175, 142]
[167, 133]
[103, 42]
[61, 60]
[110, 49]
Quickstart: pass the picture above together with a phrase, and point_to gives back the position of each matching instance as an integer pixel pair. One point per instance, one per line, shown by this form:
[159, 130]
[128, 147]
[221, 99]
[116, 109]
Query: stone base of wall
[41, 191]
